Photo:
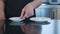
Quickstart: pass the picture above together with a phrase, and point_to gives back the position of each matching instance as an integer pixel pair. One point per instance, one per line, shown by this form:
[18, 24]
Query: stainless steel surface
[52, 28]
[45, 11]
[56, 11]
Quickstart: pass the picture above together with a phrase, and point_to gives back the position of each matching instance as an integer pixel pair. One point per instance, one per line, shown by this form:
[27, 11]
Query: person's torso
[13, 7]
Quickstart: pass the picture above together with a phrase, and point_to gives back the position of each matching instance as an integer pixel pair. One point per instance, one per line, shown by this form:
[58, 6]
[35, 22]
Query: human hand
[27, 11]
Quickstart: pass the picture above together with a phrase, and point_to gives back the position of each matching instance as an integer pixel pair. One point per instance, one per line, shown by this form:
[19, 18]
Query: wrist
[36, 3]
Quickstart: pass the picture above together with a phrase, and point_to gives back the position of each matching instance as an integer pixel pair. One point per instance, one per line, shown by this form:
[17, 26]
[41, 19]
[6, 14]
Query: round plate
[16, 19]
[40, 19]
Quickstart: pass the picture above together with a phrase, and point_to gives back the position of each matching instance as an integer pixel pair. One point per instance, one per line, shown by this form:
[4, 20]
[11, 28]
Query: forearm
[1, 8]
[2, 16]
[36, 3]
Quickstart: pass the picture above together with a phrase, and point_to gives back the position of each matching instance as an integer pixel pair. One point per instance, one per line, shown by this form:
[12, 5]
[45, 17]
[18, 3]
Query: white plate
[40, 19]
[15, 19]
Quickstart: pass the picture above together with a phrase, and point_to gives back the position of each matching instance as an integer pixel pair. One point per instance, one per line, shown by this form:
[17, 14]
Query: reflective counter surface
[31, 27]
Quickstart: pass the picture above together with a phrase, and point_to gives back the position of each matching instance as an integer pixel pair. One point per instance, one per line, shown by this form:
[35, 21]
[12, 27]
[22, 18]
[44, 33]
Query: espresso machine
[56, 3]
[48, 8]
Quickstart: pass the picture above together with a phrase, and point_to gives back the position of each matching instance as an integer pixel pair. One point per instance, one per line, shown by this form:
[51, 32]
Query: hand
[27, 11]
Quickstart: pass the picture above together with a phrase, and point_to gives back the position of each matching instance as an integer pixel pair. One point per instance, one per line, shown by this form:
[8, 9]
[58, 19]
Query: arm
[28, 10]
[1, 15]
[36, 3]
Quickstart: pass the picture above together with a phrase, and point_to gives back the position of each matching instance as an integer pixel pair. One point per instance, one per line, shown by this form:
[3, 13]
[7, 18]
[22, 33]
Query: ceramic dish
[16, 19]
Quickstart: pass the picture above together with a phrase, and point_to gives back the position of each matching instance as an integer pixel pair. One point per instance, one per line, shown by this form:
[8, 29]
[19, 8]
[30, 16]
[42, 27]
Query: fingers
[22, 14]
[32, 13]
[25, 15]
[28, 14]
